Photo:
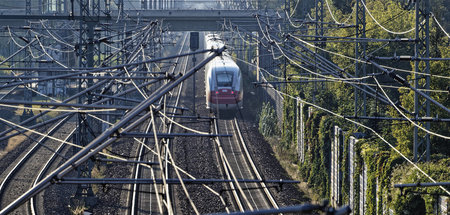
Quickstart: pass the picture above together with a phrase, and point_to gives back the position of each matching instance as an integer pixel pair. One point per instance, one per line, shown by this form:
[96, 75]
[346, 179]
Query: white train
[223, 79]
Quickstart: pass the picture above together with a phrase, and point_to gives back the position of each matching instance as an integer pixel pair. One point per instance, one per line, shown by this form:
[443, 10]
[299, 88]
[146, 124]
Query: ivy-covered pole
[300, 128]
[422, 79]
[360, 53]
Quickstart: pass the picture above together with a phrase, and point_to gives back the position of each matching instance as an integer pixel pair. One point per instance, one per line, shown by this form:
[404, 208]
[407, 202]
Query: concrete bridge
[174, 20]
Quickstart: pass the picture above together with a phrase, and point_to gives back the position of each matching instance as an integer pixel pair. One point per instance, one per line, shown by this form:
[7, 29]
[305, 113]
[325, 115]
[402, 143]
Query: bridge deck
[175, 20]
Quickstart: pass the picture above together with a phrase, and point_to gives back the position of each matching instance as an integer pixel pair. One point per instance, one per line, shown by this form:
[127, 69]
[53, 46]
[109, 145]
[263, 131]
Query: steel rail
[98, 84]
[105, 138]
[47, 167]
[71, 98]
[28, 155]
[22, 102]
[37, 125]
[32, 118]
[226, 168]
[126, 161]
[136, 100]
[330, 70]
[135, 190]
[134, 200]
[137, 172]
[252, 164]
[239, 167]
[165, 106]
[174, 108]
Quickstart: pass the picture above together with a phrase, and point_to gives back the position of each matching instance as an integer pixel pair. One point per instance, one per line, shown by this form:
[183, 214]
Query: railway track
[34, 202]
[234, 156]
[148, 198]
[29, 167]
[237, 163]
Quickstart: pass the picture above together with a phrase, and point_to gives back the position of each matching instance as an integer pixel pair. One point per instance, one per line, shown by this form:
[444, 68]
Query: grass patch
[13, 142]
[287, 159]
[98, 172]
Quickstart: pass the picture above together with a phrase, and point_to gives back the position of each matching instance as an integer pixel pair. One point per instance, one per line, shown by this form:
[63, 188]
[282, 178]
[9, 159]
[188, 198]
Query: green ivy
[408, 201]
[267, 120]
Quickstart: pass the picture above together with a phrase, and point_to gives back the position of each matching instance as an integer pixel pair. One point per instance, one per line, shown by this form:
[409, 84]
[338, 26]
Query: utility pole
[422, 105]
[360, 53]
[86, 50]
[27, 94]
[319, 37]
[28, 7]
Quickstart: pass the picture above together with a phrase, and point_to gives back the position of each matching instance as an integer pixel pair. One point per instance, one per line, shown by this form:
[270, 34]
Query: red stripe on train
[224, 97]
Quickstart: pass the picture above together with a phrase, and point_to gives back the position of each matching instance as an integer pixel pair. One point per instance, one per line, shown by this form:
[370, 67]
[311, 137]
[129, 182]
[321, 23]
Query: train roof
[224, 61]
[213, 41]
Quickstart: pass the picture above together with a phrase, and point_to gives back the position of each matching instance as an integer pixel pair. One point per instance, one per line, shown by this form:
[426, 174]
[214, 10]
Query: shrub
[267, 120]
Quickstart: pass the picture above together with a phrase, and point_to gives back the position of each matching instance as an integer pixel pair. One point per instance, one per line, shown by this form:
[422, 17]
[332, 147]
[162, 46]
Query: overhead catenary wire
[182, 184]
[14, 73]
[363, 60]
[336, 81]
[173, 164]
[370, 129]
[351, 58]
[373, 93]
[334, 18]
[53, 138]
[361, 89]
[316, 73]
[57, 110]
[294, 10]
[440, 26]
[239, 35]
[55, 37]
[381, 26]
[166, 186]
[404, 115]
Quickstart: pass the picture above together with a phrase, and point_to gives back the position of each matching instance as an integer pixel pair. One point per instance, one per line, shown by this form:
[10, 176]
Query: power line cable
[401, 113]
[332, 16]
[370, 129]
[387, 30]
[439, 24]
[363, 60]
[56, 110]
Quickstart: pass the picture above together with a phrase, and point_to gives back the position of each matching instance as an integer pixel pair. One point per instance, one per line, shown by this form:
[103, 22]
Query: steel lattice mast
[360, 53]
[86, 51]
[421, 105]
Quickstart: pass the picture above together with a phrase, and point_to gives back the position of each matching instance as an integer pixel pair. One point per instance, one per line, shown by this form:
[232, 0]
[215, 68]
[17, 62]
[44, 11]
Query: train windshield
[224, 79]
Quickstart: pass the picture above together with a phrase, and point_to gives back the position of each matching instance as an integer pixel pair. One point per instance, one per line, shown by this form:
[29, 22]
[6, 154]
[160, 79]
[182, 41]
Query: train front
[225, 84]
